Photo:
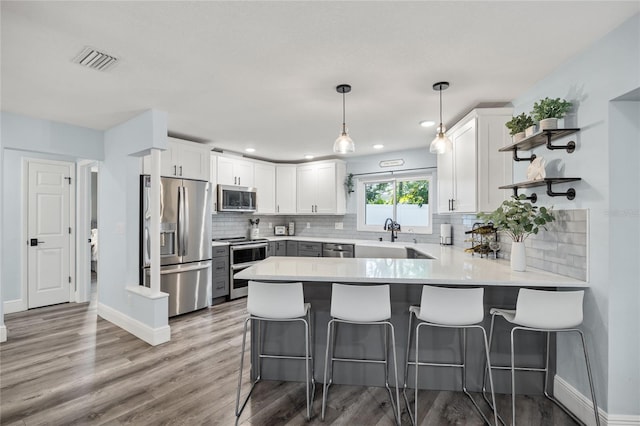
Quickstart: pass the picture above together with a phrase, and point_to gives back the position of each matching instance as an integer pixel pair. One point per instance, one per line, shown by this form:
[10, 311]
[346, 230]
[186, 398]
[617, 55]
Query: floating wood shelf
[543, 137]
[548, 182]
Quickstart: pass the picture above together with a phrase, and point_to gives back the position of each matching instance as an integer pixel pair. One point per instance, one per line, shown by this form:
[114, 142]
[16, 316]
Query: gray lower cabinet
[308, 249]
[277, 248]
[220, 272]
[292, 248]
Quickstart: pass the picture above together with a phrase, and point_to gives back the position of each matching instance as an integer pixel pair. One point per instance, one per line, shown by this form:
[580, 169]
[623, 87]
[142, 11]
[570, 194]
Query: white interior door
[49, 233]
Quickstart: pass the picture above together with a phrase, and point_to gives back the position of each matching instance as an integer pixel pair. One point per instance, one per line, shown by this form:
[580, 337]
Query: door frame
[25, 226]
[83, 234]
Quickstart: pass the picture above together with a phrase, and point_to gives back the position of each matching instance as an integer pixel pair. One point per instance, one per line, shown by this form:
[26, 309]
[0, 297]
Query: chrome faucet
[393, 226]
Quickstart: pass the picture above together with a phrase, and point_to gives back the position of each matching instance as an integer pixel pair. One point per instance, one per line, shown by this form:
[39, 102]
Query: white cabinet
[265, 184]
[468, 176]
[235, 171]
[183, 159]
[321, 187]
[286, 189]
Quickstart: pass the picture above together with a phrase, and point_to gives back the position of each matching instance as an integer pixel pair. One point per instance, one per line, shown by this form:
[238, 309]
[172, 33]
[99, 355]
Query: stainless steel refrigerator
[185, 241]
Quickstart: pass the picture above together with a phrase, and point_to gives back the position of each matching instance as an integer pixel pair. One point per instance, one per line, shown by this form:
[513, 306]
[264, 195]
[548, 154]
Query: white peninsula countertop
[451, 266]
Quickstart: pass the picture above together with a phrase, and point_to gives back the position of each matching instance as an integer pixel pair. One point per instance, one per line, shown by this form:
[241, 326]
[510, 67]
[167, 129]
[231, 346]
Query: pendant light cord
[344, 126]
[441, 109]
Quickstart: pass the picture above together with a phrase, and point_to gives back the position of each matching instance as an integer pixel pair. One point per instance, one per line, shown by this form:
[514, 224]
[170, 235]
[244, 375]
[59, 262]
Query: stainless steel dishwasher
[337, 250]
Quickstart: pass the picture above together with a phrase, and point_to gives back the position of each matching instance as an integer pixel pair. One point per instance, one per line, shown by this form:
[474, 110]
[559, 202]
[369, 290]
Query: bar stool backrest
[452, 306]
[361, 303]
[549, 310]
[275, 300]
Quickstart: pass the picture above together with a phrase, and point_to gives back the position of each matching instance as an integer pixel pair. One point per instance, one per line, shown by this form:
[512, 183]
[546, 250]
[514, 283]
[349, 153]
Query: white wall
[624, 258]
[33, 138]
[607, 69]
[118, 210]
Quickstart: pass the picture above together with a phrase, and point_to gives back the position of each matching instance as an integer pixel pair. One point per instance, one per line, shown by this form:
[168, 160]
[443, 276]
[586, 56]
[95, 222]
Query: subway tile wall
[562, 249]
[230, 224]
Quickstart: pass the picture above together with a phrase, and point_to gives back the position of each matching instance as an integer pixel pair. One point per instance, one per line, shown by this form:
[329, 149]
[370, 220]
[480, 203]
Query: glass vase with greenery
[518, 218]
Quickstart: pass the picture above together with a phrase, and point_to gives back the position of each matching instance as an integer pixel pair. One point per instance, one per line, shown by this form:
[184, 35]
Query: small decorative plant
[550, 108]
[348, 183]
[519, 123]
[518, 218]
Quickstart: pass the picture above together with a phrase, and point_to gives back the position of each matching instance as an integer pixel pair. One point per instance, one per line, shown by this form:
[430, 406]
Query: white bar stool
[279, 302]
[361, 305]
[459, 308]
[545, 311]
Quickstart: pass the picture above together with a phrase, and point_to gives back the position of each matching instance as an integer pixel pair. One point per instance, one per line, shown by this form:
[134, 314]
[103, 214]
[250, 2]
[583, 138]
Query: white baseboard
[12, 306]
[582, 407]
[3, 333]
[153, 336]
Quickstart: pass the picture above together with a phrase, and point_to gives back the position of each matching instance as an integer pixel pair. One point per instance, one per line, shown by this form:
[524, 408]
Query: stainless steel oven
[242, 255]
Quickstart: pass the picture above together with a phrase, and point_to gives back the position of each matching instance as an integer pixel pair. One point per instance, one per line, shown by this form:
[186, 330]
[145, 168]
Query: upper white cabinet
[183, 159]
[265, 184]
[469, 175]
[286, 189]
[321, 187]
[235, 171]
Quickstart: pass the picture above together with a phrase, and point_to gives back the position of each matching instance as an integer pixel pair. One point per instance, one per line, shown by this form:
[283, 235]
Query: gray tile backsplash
[562, 249]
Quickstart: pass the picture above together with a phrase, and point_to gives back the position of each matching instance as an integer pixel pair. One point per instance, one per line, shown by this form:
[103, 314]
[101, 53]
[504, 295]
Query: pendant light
[441, 144]
[344, 144]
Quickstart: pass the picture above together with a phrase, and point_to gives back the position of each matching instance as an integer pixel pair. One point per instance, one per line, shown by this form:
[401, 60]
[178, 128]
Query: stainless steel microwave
[233, 198]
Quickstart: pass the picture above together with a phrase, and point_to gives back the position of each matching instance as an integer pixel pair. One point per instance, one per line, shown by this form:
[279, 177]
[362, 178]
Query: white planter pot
[518, 137]
[548, 123]
[518, 257]
[530, 130]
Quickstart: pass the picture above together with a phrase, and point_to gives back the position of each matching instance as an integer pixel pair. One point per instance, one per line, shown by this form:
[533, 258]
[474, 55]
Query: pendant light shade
[344, 144]
[441, 144]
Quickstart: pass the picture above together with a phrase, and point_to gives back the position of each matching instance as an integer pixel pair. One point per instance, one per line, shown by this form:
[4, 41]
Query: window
[407, 200]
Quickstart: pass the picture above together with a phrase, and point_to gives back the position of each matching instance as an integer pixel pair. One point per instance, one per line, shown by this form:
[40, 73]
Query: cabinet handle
[452, 207]
[180, 170]
[235, 180]
[175, 172]
[238, 180]
[278, 209]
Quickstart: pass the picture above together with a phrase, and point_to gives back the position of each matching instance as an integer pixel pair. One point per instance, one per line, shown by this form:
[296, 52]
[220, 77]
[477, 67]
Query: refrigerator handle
[147, 247]
[180, 221]
[185, 220]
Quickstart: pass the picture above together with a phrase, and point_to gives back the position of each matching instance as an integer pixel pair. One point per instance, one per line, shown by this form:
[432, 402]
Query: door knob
[34, 242]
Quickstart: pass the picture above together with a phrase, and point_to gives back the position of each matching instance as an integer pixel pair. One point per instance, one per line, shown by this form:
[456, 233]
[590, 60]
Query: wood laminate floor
[62, 365]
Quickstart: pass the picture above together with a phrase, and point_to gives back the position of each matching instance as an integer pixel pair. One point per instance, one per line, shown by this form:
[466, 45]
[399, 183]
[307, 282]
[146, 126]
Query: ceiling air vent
[94, 59]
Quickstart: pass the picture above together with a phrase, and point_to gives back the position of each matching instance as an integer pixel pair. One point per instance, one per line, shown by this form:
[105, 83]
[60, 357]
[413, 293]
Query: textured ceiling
[263, 74]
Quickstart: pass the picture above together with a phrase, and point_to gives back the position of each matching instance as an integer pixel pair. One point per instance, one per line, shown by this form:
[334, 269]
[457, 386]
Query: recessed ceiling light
[309, 157]
[378, 146]
[427, 123]
[250, 149]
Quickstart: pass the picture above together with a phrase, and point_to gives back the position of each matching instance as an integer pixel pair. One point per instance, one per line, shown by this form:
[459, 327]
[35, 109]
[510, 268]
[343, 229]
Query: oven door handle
[249, 246]
[241, 266]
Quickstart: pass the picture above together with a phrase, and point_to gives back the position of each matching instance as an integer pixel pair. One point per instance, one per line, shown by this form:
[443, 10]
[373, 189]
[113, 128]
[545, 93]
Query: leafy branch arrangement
[550, 108]
[348, 183]
[518, 218]
[519, 123]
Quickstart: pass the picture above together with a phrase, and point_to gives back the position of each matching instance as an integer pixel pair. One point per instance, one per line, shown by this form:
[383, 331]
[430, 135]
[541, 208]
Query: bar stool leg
[395, 375]
[406, 372]
[239, 409]
[415, 399]
[589, 375]
[513, 378]
[326, 384]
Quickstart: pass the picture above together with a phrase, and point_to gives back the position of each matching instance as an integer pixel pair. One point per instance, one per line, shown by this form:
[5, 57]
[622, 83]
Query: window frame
[360, 194]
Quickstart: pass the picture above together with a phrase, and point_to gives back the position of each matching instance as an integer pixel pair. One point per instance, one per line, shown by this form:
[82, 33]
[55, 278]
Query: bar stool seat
[458, 308]
[548, 312]
[361, 305]
[277, 302]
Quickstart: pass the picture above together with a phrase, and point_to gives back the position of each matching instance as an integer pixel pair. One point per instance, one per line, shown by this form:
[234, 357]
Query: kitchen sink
[415, 254]
[386, 252]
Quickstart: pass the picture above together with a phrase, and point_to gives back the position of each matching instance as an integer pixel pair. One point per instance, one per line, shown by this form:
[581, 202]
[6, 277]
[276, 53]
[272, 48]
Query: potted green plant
[518, 219]
[547, 111]
[518, 124]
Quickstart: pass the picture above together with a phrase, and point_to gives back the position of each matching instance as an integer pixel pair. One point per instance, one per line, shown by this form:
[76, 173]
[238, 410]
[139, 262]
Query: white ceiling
[242, 74]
